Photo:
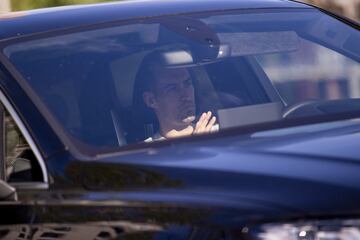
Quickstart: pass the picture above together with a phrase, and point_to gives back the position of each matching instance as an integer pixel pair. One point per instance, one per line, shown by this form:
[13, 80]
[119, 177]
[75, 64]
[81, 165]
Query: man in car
[169, 92]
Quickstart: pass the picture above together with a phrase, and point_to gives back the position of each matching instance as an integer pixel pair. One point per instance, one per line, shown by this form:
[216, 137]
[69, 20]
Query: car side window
[20, 162]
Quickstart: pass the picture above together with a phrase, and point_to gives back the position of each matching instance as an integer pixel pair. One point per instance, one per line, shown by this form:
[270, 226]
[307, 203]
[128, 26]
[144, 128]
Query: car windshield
[159, 78]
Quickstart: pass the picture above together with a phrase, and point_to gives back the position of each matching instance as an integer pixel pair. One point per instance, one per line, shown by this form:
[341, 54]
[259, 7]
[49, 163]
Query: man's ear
[149, 99]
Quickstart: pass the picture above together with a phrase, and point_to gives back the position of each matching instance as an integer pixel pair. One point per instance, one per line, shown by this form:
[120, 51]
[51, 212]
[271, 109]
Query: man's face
[173, 97]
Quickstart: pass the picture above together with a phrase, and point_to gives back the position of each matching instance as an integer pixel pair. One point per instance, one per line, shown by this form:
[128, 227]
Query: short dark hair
[144, 81]
[145, 77]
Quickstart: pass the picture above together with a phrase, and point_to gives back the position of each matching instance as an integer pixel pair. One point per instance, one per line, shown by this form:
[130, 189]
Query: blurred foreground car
[282, 79]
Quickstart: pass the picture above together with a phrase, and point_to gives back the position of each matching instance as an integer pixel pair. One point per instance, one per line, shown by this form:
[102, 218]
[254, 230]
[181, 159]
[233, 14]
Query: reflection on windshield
[313, 73]
[180, 76]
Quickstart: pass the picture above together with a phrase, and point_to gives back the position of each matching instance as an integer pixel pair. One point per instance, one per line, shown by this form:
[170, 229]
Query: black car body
[293, 178]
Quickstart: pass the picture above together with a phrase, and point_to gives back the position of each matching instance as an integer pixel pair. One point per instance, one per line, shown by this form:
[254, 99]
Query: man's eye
[188, 83]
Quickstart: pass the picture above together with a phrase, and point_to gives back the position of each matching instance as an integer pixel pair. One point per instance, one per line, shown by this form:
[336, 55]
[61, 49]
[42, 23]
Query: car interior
[122, 120]
[99, 104]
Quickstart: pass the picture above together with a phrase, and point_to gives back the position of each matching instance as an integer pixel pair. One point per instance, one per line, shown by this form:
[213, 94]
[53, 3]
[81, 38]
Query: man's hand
[205, 123]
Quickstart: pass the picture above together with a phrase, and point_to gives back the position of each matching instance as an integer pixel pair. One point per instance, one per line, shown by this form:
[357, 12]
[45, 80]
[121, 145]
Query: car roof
[18, 24]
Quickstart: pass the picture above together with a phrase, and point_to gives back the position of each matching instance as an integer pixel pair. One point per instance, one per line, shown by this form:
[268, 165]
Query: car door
[31, 209]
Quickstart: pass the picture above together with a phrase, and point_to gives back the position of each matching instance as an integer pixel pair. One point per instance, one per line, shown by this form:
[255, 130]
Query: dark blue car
[209, 120]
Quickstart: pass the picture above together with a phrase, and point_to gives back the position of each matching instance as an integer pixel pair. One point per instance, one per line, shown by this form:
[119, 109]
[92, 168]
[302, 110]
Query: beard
[187, 114]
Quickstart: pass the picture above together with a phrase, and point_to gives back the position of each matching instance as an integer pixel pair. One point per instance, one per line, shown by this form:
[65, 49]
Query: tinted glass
[20, 161]
[161, 78]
